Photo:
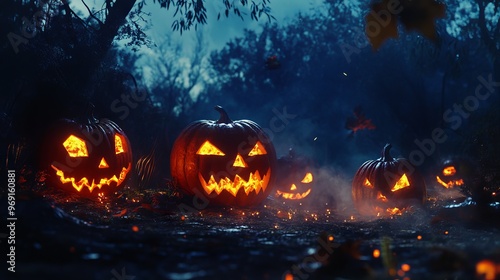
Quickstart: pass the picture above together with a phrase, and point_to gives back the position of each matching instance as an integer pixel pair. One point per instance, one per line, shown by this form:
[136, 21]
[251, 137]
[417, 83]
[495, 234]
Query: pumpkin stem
[224, 118]
[386, 155]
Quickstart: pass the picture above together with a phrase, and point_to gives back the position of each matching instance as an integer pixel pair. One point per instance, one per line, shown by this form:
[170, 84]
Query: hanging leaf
[382, 20]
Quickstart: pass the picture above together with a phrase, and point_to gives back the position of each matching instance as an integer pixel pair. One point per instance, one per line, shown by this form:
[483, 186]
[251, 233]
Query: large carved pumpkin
[386, 183]
[230, 162]
[89, 157]
[294, 177]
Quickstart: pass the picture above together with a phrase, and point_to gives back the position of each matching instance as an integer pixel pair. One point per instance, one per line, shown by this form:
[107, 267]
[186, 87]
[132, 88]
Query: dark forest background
[55, 61]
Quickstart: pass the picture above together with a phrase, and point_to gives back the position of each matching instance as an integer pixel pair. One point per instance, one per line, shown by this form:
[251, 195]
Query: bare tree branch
[92, 14]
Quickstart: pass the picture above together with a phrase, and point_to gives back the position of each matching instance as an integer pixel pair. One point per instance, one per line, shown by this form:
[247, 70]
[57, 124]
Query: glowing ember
[84, 182]
[401, 183]
[486, 269]
[75, 147]
[405, 267]
[394, 211]
[331, 238]
[135, 228]
[254, 183]
[419, 237]
[288, 276]
[376, 253]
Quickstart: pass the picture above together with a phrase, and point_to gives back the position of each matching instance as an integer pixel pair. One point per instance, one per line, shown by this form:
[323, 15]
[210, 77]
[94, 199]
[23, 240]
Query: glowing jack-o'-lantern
[294, 177]
[91, 157]
[230, 162]
[451, 174]
[386, 184]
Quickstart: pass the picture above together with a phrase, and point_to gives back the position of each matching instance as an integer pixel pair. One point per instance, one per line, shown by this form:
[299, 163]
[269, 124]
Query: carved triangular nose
[103, 164]
[239, 161]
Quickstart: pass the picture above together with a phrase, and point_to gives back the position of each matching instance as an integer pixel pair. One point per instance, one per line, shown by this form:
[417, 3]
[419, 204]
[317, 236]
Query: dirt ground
[63, 237]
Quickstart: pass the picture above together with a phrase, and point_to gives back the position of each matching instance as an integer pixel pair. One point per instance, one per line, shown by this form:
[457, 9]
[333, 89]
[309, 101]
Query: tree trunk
[87, 59]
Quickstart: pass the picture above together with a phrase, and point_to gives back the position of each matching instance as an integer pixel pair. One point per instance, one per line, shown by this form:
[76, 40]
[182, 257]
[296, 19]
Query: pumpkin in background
[92, 157]
[294, 177]
[451, 173]
[230, 162]
[386, 184]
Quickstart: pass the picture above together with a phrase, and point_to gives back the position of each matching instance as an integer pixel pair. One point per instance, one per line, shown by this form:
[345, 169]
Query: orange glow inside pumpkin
[258, 149]
[451, 183]
[239, 161]
[401, 183]
[381, 197]
[450, 170]
[75, 147]
[308, 178]
[103, 164]
[84, 182]
[367, 184]
[119, 145]
[208, 148]
[255, 183]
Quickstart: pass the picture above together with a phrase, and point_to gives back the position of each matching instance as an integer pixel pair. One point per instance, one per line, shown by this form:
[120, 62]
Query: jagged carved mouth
[255, 183]
[91, 185]
[293, 196]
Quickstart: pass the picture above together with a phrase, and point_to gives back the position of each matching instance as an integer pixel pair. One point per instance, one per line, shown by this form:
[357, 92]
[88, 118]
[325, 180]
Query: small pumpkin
[231, 162]
[386, 184]
[451, 173]
[89, 157]
[294, 177]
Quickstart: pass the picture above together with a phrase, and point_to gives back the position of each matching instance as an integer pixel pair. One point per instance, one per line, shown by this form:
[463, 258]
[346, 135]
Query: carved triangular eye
[119, 144]
[75, 147]
[367, 184]
[208, 148]
[258, 149]
[401, 183]
[308, 178]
